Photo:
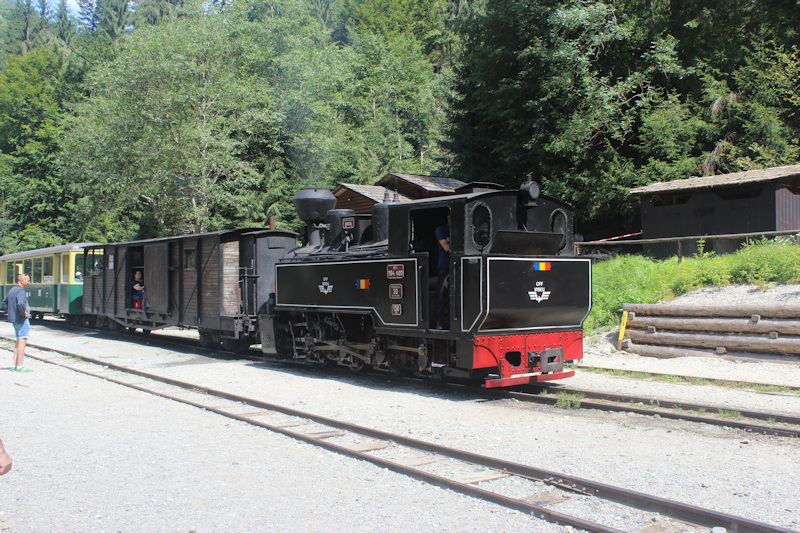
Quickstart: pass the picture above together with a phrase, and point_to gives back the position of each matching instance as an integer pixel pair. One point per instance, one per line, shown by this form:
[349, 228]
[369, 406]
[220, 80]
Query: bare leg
[19, 352]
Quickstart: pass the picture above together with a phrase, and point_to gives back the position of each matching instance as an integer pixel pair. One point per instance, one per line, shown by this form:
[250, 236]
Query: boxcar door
[156, 278]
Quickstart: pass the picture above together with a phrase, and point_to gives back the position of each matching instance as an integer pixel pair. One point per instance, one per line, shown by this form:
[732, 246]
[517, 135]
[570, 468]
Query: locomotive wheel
[356, 366]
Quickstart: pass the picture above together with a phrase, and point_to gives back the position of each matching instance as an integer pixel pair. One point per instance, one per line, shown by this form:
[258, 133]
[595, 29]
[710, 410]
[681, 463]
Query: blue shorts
[22, 330]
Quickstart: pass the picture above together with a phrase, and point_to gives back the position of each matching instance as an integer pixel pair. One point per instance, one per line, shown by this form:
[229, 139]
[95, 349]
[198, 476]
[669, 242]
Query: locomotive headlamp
[531, 188]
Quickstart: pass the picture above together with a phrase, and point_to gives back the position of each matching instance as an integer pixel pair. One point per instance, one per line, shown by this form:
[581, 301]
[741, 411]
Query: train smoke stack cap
[313, 204]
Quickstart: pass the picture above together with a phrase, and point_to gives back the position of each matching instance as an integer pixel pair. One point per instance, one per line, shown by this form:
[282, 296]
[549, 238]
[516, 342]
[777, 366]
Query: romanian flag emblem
[541, 266]
[362, 284]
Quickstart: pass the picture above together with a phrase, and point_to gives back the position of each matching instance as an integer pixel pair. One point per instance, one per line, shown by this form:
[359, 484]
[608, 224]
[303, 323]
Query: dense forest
[130, 120]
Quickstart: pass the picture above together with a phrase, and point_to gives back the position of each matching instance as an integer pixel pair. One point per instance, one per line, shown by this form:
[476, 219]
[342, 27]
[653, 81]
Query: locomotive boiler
[362, 289]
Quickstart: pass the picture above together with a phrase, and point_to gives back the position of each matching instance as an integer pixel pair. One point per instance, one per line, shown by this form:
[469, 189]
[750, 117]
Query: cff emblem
[325, 287]
[539, 294]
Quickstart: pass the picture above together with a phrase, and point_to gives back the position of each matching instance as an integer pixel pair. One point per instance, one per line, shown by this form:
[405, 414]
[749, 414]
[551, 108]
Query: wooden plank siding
[209, 261]
[229, 280]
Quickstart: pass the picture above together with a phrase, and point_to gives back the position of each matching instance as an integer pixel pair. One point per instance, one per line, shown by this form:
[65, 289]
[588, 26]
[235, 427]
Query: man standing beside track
[16, 303]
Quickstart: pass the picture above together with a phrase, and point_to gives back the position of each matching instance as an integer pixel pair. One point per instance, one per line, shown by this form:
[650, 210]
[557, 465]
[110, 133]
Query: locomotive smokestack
[312, 205]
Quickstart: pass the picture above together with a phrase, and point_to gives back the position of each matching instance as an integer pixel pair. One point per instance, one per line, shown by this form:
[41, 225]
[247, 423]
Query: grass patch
[733, 415]
[773, 388]
[639, 279]
[669, 378]
[568, 401]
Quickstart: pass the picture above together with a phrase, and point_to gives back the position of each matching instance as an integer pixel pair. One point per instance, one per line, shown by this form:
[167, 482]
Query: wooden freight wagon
[216, 282]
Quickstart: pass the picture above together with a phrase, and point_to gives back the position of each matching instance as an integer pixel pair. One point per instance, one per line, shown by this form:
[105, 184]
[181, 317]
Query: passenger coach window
[27, 268]
[37, 270]
[47, 270]
[65, 269]
[189, 260]
[11, 273]
[79, 268]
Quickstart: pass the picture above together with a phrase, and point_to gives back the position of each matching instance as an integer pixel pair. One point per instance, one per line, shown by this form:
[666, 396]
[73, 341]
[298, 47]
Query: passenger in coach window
[138, 289]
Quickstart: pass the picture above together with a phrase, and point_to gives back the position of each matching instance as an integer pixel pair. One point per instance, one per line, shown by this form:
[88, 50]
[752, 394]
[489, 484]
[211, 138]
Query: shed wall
[787, 209]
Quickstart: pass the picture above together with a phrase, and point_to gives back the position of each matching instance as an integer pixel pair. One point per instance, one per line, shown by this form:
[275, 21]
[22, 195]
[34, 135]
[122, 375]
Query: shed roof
[375, 193]
[721, 180]
[428, 183]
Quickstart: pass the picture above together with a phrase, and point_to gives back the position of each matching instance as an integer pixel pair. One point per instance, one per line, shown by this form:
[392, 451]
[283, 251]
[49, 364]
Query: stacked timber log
[669, 330]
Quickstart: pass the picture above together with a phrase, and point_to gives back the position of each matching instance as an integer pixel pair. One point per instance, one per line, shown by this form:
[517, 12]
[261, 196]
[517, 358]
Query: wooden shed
[753, 201]
[361, 198]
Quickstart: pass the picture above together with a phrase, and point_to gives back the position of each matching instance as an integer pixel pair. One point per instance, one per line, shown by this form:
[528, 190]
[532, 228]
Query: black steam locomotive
[361, 291]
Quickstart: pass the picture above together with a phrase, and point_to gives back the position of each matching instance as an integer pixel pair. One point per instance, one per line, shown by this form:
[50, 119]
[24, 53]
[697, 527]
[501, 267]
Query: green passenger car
[56, 278]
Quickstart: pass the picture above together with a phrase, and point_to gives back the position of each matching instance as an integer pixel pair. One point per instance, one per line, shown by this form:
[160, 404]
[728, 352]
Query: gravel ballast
[93, 456]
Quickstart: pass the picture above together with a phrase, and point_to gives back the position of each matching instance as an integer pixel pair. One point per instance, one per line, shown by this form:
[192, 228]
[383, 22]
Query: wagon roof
[50, 250]
[238, 231]
[721, 180]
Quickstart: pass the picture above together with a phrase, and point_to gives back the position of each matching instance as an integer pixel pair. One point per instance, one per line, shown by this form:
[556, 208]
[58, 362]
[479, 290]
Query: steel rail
[668, 404]
[681, 511]
[663, 413]
[791, 388]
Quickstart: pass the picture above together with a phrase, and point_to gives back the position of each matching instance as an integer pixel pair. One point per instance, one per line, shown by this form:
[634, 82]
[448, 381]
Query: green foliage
[166, 121]
[35, 202]
[766, 262]
[637, 279]
[594, 98]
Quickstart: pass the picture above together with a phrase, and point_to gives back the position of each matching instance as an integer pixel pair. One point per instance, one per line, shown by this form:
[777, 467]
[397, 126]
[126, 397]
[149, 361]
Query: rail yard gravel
[94, 456]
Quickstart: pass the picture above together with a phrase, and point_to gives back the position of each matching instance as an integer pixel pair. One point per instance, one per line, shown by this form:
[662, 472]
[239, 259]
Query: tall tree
[115, 17]
[36, 198]
[594, 98]
[88, 15]
[179, 123]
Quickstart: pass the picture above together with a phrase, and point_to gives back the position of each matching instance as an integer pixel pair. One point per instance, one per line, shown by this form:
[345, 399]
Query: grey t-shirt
[16, 301]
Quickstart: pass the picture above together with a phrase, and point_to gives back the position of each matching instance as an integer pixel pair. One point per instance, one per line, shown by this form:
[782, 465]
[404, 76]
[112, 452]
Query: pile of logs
[741, 332]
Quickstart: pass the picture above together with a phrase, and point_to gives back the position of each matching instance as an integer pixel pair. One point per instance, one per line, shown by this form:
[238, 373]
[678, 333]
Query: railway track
[558, 395]
[705, 414]
[502, 482]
